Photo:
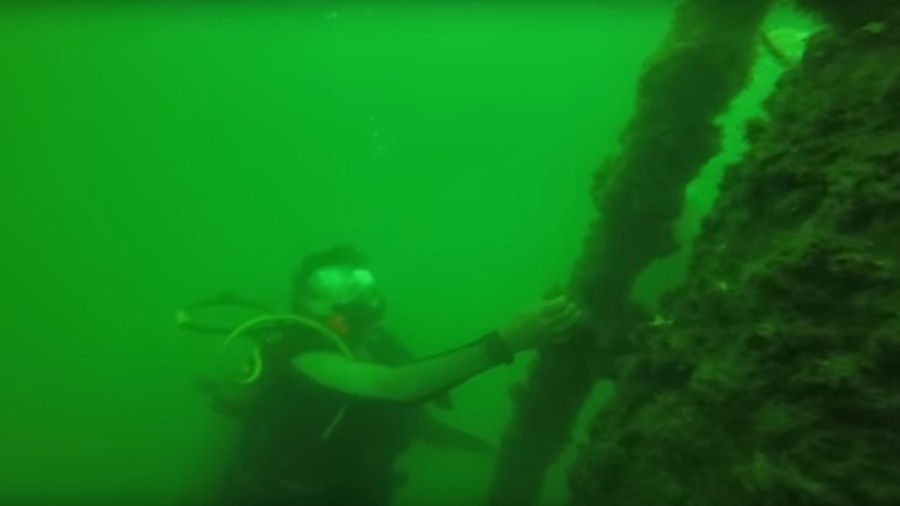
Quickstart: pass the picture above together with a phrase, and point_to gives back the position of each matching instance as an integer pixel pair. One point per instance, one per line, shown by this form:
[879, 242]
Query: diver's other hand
[548, 322]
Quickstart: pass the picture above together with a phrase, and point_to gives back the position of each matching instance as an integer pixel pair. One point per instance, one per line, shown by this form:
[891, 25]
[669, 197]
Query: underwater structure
[770, 374]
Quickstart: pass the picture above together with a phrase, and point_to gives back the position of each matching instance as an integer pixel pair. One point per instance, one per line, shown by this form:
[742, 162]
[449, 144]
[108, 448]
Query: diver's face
[366, 311]
[348, 292]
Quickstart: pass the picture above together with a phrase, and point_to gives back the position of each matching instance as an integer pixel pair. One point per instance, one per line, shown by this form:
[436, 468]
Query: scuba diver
[329, 400]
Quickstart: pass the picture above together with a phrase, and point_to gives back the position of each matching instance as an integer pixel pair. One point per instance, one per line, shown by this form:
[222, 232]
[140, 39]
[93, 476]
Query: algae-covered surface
[770, 374]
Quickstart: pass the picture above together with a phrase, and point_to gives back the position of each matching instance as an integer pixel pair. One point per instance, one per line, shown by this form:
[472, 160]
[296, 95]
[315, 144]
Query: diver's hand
[546, 323]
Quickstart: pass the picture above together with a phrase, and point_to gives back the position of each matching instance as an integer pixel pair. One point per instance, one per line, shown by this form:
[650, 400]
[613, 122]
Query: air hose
[256, 361]
[256, 365]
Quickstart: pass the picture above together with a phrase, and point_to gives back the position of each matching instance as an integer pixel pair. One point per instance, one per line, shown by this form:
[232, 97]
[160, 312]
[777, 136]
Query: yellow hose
[256, 364]
[256, 360]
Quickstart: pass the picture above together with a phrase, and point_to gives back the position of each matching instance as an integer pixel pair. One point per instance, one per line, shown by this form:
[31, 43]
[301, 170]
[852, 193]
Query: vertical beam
[703, 64]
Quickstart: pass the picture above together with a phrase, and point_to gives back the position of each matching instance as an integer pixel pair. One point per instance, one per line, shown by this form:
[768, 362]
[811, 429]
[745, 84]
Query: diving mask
[348, 292]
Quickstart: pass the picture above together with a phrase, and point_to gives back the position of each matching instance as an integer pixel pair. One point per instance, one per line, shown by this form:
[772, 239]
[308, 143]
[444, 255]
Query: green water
[152, 157]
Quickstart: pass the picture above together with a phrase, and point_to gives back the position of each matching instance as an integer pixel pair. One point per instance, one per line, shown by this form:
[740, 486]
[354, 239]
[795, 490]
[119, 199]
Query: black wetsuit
[282, 458]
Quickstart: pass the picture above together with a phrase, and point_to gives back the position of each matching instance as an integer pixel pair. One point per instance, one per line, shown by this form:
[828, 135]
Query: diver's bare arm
[422, 379]
[407, 383]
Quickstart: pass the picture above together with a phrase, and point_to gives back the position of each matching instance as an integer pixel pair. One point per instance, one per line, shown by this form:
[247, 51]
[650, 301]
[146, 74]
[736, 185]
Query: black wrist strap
[491, 344]
[497, 349]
